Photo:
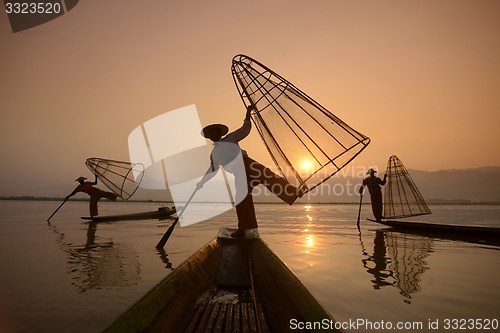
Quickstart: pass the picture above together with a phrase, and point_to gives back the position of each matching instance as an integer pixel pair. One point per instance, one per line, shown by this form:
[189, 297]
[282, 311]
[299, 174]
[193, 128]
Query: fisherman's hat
[80, 178]
[217, 130]
[370, 171]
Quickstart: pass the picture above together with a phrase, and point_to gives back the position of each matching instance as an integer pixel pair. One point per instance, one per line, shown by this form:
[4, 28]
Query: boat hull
[230, 285]
[157, 214]
[487, 233]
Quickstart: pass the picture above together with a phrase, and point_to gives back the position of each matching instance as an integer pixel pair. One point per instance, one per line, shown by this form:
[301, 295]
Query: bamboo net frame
[307, 143]
[122, 178]
[402, 197]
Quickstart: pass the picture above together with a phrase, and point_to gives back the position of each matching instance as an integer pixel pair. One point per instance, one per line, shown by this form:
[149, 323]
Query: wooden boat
[443, 229]
[161, 213]
[230, 285]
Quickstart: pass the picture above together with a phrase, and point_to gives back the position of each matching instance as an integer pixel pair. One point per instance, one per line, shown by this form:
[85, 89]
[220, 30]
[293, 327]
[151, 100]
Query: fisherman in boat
[94, 193]
[225, 153]
[374, 183]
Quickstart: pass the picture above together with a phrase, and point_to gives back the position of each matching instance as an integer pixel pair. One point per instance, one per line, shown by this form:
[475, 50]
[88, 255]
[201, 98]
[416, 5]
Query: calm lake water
[72, 276]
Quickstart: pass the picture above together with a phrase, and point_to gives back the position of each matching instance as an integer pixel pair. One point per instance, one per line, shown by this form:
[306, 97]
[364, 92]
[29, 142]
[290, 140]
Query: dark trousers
[95, 196]
[376, 199]
[258, 174]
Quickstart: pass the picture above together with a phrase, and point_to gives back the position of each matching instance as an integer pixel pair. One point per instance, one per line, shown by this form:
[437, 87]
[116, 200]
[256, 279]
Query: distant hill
[475, 185]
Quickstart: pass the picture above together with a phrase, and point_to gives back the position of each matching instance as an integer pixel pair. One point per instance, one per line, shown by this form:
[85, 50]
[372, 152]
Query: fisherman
[374, 183]
[225, 153]
[94, 193]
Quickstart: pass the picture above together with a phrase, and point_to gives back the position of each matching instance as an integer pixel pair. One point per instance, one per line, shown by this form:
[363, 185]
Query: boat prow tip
[225, 234]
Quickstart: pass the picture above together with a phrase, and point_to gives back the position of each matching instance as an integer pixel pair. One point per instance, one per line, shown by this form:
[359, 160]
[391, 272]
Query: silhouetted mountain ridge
[475, 185]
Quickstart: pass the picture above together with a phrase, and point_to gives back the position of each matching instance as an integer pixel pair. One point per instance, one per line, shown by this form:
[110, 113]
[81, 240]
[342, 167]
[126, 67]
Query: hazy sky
[420, 78]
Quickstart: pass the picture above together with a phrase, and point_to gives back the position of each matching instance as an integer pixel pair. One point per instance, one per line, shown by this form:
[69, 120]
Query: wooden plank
[229, 321]
[219, 321]
[236, 319]
[212, 318]
[245, 327]
[205, 318]
[196, 317]
[252, 319]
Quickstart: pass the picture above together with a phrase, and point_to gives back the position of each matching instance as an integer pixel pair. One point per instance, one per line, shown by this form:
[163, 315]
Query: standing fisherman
[94, 193]
[225, 153]
[374, 183]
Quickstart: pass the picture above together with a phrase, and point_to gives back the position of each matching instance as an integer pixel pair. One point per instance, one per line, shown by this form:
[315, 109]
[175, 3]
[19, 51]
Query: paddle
[360, 201]
[65, 199]
[166, 236]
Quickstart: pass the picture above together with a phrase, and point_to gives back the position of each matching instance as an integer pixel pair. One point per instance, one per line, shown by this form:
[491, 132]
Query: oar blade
[166, 236]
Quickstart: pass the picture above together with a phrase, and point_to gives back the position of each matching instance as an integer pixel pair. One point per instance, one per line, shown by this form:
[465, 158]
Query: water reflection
[309, 240]
[377, 263]
[164, 258]
[398, 260]
[309, 237]
[97, 265]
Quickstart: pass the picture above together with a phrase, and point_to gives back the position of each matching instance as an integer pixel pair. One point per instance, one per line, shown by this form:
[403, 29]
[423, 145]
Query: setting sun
[307, 166]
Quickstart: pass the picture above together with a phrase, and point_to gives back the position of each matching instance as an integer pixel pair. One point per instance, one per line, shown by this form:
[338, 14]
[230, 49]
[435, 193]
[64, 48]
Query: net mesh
[122, 178]
[402, 197]
[307, 143]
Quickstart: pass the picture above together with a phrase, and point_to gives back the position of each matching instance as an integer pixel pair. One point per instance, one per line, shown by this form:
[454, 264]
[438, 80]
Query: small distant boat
[161, 213]
[443, 229]
[230, 285]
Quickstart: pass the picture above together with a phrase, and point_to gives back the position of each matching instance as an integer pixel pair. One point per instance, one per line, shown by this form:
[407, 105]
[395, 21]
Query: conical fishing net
[402, 197]
[307, 142]
[122, 178]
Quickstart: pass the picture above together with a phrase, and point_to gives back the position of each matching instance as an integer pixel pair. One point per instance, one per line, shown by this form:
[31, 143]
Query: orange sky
[420, 78]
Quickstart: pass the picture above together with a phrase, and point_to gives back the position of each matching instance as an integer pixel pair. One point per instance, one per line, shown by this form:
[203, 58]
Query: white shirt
[225, 152]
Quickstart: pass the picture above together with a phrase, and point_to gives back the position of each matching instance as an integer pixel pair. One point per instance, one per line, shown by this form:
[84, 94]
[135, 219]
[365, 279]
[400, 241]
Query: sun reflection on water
[309, 237]
[309, 242]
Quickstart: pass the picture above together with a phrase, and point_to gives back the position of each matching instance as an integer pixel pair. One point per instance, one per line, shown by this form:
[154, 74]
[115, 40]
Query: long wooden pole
[359, 211]
[167, 234]
[54, 213]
